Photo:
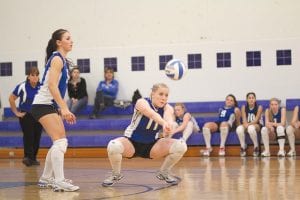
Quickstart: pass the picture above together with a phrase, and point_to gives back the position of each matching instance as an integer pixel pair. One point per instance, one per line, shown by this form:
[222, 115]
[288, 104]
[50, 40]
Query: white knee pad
[179, 146]
[61, 144]
[290, 130]
[251, 129]
[280, 132]
[240, 130]
[115, 147]
[224, 129]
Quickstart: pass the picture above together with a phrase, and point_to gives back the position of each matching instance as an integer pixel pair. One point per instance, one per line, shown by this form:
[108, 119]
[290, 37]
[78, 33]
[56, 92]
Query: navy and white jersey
[26, 94]
[44, 95]
[251, 113]
[276, 117]
[225, 113]
[179, 120]
[143, 129]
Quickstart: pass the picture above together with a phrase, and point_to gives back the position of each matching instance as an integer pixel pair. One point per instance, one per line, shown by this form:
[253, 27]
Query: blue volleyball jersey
[143, 129]
[44, 95]
[277, 116]
[179, 120]
[225, 113]
[25, 92]
[251, 113]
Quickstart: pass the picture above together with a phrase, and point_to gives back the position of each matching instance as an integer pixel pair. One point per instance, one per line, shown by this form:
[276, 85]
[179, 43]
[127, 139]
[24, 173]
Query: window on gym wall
[84, 65]
[284, 57]
[28, 65]
[194, 61]
[223, 59]
[253, 58]
[112, 63]
[138, 63]
[163, 60]
[6, 69]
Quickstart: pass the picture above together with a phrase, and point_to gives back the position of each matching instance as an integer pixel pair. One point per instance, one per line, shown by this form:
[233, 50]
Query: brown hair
[33, 71]
[181, 105]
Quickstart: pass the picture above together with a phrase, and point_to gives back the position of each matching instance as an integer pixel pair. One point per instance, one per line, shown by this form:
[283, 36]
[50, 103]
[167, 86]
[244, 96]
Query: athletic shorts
[40, 110]
[141, 149]
[231, 128]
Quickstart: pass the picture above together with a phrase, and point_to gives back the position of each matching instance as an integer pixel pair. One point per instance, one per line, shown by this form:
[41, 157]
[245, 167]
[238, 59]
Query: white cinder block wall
[122, 29]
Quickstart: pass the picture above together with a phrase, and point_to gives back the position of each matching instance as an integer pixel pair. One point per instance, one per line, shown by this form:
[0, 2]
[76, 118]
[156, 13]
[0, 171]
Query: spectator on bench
[107, 91]
[184, 121]
[275, 122]
[78, 96]
[252, 123]
[228, 120]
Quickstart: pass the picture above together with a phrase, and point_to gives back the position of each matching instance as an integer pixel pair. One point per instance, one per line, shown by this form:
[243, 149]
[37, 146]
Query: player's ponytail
[52, 45]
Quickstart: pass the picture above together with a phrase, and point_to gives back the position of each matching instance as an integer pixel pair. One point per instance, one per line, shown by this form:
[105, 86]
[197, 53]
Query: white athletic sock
[253, 135]
[187, 131]
[265, 138]
[224, 133]
[48, 171]
[291, 137]
[281, 144]
[57, 157]
[240, 131]
[207, 137]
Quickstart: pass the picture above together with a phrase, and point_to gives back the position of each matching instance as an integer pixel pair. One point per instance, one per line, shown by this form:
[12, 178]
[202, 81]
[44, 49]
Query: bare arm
[186, 119]
[54, 74]
[12, 101]
[143, 107]
[295, 121]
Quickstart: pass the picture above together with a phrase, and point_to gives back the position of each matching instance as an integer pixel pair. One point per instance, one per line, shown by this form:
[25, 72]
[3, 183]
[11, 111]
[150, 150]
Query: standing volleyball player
[143, 137]
[49, 108]
[293, 130]
[228, 119]
[184, 121]
[275, 122]
[252, 123]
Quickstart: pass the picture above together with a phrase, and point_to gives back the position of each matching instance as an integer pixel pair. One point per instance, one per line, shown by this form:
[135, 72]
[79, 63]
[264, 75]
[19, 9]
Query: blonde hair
[156, 86]
[180, 105]
[270, 110]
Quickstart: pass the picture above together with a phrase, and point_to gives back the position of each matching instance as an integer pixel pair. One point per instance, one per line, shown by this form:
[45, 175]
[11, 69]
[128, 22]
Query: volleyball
[175, 69]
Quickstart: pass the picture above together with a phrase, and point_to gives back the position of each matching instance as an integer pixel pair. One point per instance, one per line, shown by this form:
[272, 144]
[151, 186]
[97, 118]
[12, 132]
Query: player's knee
[240, 130]
[179, 146]
[290, 130]
[280, 131]
[115, 147]
[251, 129]
[61, 144]
[206, 131]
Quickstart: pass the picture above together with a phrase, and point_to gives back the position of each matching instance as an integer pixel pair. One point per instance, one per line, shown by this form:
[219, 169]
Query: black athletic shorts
[141, 149]
[231, 128]
[40, 110]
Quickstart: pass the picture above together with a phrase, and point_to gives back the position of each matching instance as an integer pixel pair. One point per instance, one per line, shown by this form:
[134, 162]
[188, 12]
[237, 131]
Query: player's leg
[173, 150]
[58, 149]
[240, 131]
[266, 140]
[290, 131]
[224, 130]
[252, 130]
[187, 131]
[116, 149]
[208, 129]
[281, 140]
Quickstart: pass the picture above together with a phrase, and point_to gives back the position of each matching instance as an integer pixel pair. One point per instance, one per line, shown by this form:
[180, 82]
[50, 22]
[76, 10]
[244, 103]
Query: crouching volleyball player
[142, 137]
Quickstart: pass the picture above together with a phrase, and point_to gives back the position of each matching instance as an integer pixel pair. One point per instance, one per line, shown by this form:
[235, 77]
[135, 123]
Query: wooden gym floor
[201, 178]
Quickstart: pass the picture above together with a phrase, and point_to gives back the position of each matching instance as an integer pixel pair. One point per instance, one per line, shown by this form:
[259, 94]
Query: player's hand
[20, 114]
[68, 116]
